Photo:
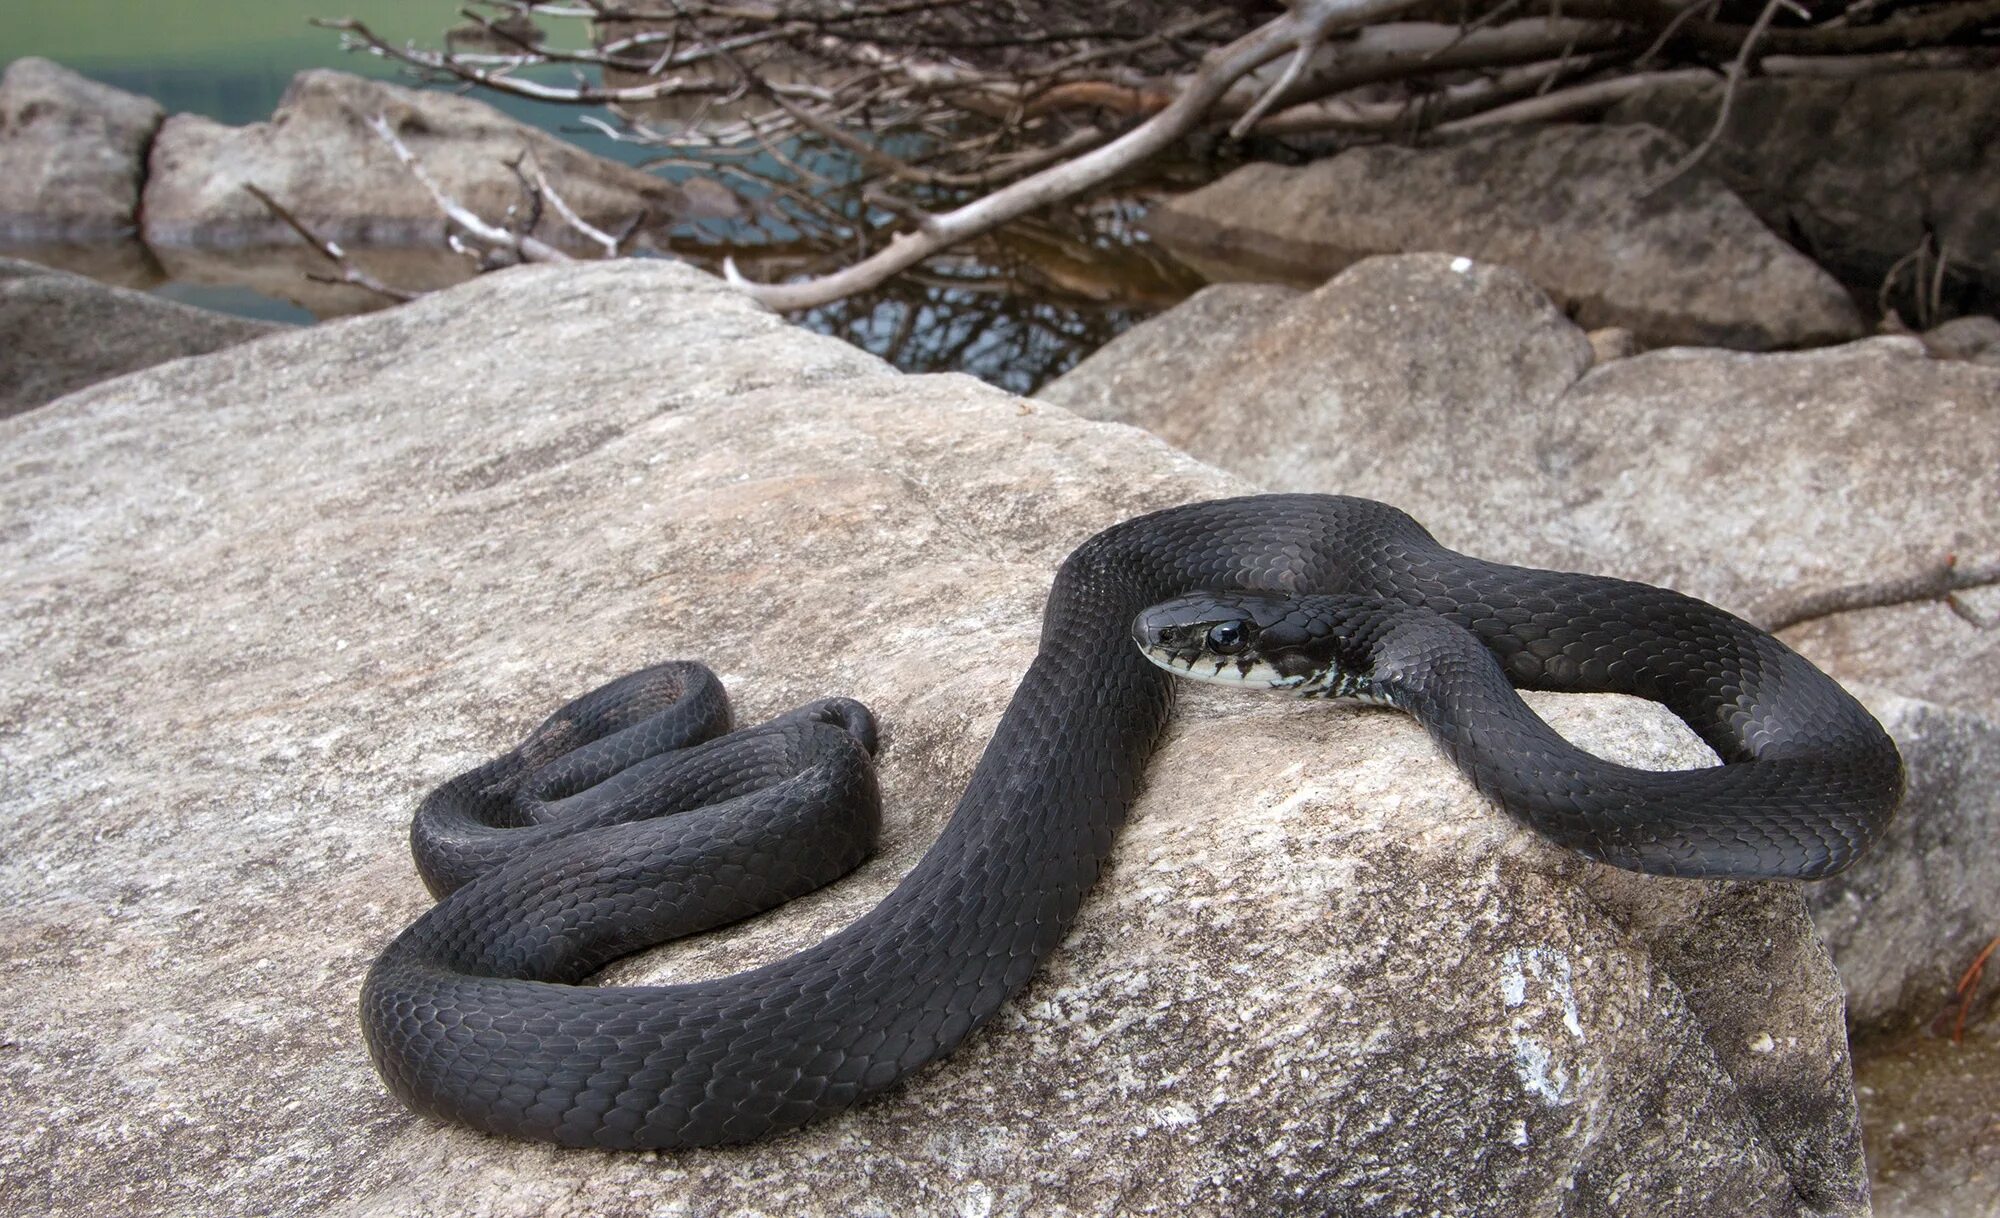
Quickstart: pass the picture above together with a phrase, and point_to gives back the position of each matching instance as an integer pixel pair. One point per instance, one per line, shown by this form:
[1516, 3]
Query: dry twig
[1738, 68]
[529, 247]
[838, 118]
[330, 250]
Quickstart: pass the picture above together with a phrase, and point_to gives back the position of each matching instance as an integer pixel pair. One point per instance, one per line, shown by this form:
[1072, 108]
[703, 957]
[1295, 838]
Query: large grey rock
[1767, 484]
[1569, 206]
[60, 332]
[1975, 337]
[22, 268]
[1178, 343]
[1457, 391]
[257, 602]
[72, 154]
[318, 157]
[1858, 170]
[1903, 929]
[1905, 923]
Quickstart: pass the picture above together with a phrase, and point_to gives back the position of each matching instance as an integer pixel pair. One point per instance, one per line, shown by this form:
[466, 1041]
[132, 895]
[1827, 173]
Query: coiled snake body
[472, 1013]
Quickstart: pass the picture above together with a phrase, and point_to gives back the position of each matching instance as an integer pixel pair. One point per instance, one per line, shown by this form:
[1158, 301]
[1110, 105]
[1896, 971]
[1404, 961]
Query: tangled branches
[875, 135]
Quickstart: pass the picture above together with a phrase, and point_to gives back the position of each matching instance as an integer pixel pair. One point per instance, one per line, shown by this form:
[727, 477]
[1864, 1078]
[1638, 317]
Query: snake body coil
[472, 1015]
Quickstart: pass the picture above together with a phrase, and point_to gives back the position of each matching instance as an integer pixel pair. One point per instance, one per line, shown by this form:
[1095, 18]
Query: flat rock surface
[257, 602]
[60, 332]
[1578, 209]
[72, 154]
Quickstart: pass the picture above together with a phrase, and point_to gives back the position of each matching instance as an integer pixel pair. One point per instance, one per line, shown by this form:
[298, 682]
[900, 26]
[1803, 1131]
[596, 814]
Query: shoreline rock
[72, 155]
[1572, 207]
[317, 156]
[1860, 170]
[61, 332]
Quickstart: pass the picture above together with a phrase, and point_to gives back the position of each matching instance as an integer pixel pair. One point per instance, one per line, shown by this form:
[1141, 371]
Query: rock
[1858, 171]
[1610, 343]
[1904, 923]
[21, 268]
[60, 332]
[1904, 929]
[1922, 647]
[1963, 338]
[1457, 391]
[72, 154]
[318, 157]
[1319, 973]
[1768, 484]
[1568, 206]
[1166, 347]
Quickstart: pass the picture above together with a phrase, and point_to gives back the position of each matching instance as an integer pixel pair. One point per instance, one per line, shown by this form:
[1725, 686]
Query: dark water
[1015, 309]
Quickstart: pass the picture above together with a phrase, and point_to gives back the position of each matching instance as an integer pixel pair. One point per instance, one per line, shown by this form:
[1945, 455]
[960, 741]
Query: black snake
[474, 1014]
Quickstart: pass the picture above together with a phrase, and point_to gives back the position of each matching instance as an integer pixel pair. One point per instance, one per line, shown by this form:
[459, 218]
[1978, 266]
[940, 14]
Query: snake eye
[1225, 638]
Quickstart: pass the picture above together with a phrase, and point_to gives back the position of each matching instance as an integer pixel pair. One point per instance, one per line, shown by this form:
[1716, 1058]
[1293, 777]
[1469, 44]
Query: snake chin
[1253, 640]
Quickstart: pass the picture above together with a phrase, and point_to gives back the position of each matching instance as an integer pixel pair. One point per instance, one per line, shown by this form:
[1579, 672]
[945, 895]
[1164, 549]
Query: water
[1015, 310]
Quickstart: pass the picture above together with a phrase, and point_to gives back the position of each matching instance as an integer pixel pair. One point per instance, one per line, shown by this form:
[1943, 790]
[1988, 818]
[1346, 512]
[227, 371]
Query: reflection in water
[1015, 309]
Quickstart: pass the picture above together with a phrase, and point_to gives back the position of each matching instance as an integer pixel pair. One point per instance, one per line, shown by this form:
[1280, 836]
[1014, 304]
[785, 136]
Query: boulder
[60, 332]
[22, 268]
[262, 600]
[72, 154]
[1178, 343]
[1571, 207]
[1906, 922]
[319, 158]
[1858, 171]
[1458, 391]
[1905, 929]
[1779, 486]
[1975, 338]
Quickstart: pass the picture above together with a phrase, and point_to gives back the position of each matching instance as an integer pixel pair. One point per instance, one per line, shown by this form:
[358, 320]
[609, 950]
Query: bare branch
[329, 250]
[1294, 69]
[531, 248]
[547, 190]
[1738, 67]
[1577, 99]
[1309, 20]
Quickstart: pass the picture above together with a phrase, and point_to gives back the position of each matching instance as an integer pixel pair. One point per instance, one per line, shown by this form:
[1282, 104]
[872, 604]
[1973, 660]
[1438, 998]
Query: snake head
[1301, 645]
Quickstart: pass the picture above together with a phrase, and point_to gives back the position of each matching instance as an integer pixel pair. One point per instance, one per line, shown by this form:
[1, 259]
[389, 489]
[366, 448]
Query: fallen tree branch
[1941, 583]
[1309, 20]
[613, 246]
[1577, 99]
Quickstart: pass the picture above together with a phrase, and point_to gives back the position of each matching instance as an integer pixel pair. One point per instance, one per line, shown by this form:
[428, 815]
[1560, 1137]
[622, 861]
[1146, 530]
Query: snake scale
[557, 858]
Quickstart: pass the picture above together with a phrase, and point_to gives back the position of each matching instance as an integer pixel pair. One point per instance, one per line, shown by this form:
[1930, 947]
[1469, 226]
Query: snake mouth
[1289, 645]
[1199, 665]
[1210, 638]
